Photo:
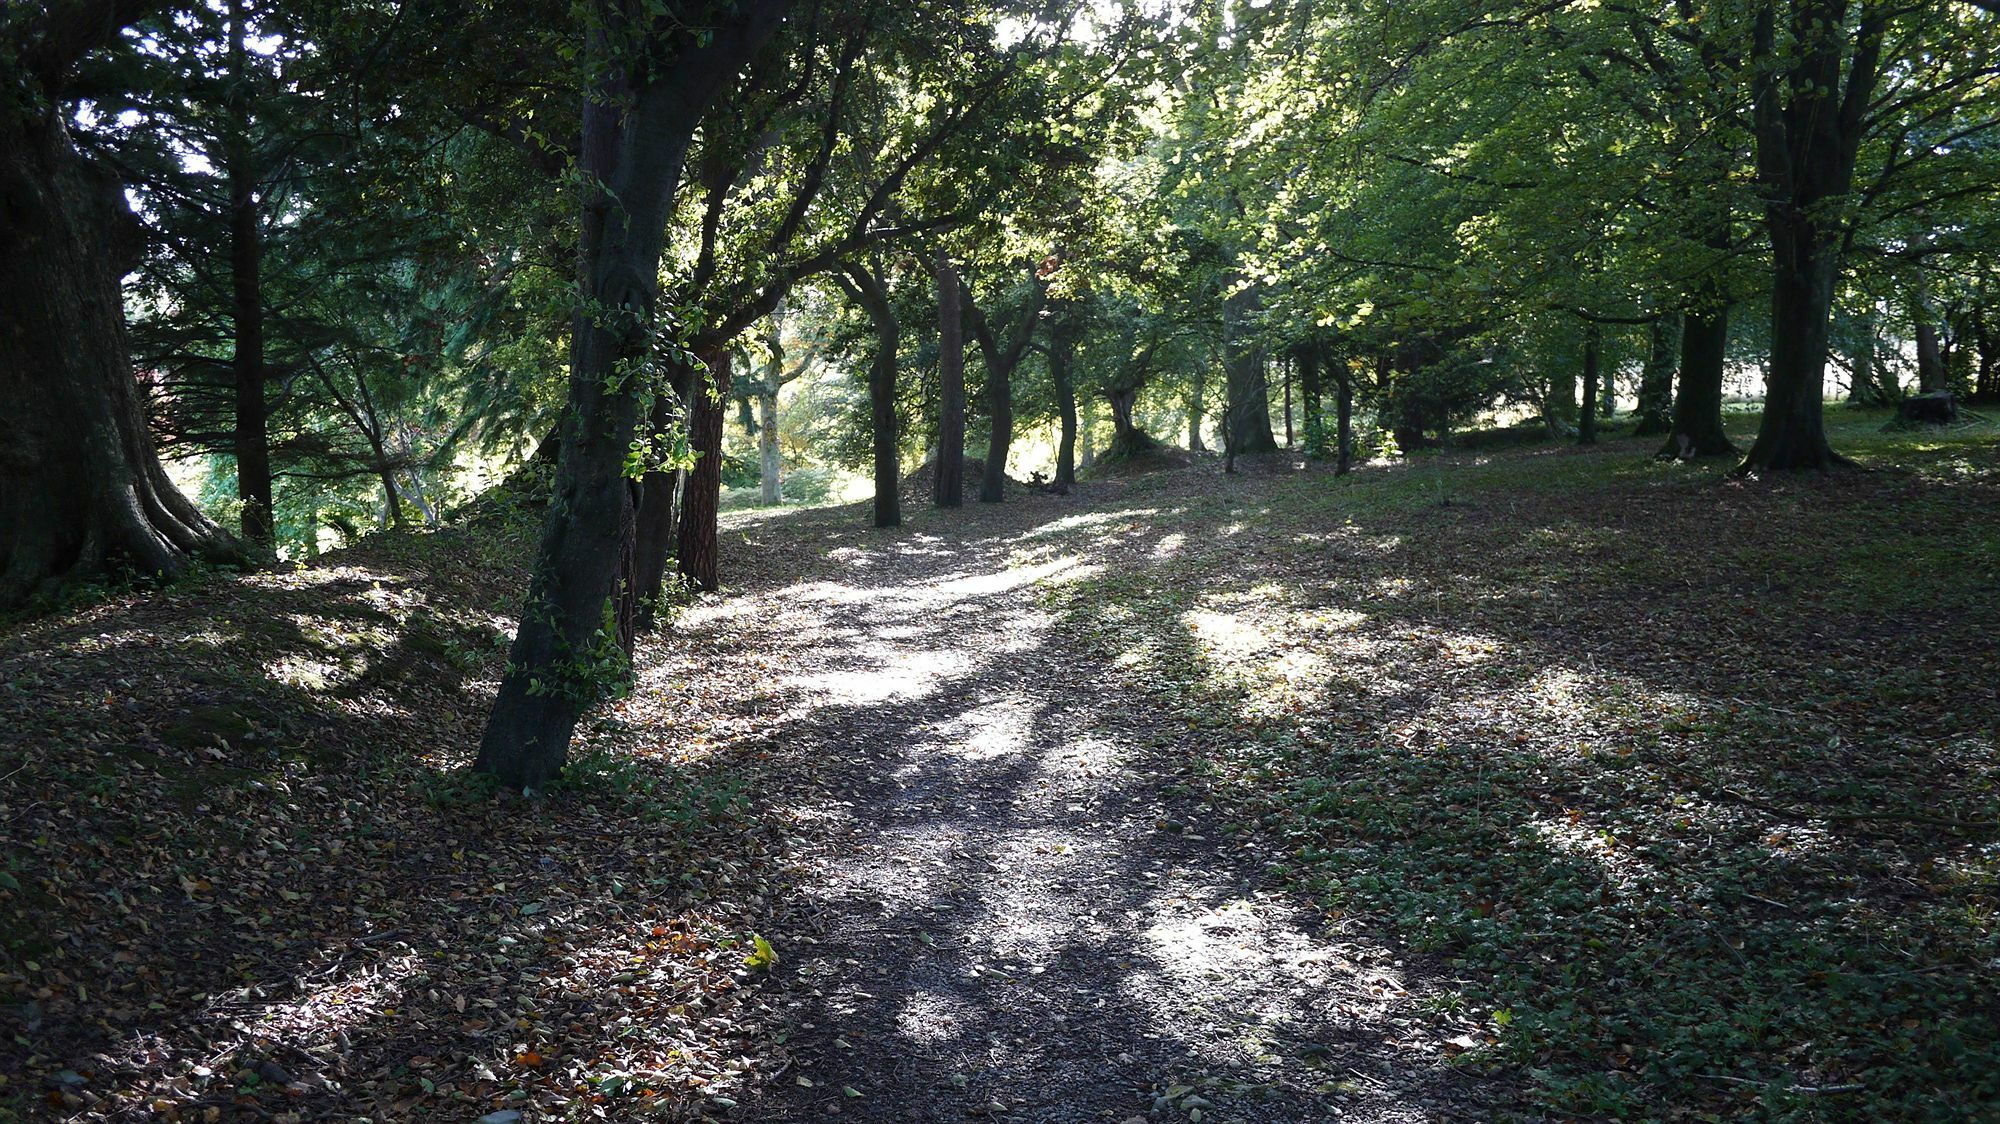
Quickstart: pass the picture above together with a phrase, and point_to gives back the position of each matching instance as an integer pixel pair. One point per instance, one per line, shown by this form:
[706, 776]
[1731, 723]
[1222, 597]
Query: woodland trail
[1012, 910]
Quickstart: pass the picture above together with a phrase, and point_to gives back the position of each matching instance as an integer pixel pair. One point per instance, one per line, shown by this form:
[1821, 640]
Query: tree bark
[1002, 356]
[770, 463]
[1809, 105]
[1344, 375]
[1866, 388]
[1197, 407]
[1310, 358]
[81, 486]
[701, 496]
[1247, 413]
[1930, 357]
[1593, 374]
[1000, 434]
[1655, 408]
[871, 293]
[1062, 358]
[1697, 421]
[1559, 409]
[1792, 433]
[1127, 439]
[950, 485]
[1986, 343]
[635, 141]
[251, 437]
[1291, 436]
[1000, 430]
[656, 518]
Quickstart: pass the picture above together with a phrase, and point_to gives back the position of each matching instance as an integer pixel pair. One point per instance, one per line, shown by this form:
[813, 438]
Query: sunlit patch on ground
[1592, 728]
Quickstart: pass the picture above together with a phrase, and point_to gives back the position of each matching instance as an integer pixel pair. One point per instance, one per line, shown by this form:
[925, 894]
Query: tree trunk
[1309, 359]
[81, 486]
[882, 403]
[1656, 380]
[635, 141]
[656, 519]
[251, 441]
[770, 464]
[1000, 434]
[950, 486]
[1086, 423]
[1792, 434]
[1344, 374]
[1197, 407]
[1865, 389]
[1247, 412]
[251, 434]
[1062, 356]
[392, 498]
[1291, 437]
[1559, 411]
[1986, 343]
[1930, 357]
[1593, 356]
[872, 294]
[1127, 439]
[1697, 422]
[1808, 129]
[701, 496]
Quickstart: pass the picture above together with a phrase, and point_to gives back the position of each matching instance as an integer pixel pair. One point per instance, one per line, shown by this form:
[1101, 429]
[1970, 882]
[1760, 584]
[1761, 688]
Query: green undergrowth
[1684, 790]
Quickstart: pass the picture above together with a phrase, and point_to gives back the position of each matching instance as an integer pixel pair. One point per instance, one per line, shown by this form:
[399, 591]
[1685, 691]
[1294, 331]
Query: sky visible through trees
[1499, 495]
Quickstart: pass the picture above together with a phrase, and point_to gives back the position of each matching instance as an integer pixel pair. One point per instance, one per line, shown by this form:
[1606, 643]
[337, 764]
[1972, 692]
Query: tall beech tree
[1812, 80]
[81, 486]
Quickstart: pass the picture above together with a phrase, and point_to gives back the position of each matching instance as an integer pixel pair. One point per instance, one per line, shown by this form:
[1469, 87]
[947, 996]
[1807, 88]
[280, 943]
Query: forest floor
[1540, 782]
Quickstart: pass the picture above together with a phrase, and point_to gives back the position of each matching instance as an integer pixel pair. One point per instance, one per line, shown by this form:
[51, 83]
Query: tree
[701, 494]
[1002, 353]
[652, 79]
[1811, 90]
[869, 289]
[82, 483]
[1066, 331]
[949, 488]
[1654, 413]
[773, 375]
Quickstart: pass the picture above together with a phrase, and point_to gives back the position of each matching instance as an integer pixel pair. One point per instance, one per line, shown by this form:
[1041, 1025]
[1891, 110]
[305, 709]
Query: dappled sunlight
[1002, 581]
[1549, 736]
[1004, 836]
[930, 1018]
[1228, 636]
[1124, 518]
[905, 675]
[993, 730]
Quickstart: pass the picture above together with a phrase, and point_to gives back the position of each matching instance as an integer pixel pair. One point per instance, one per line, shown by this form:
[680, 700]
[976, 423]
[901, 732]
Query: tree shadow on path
[1019, 912]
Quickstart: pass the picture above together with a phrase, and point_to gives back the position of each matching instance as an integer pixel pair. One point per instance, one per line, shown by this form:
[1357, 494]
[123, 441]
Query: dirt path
[1010, 913]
